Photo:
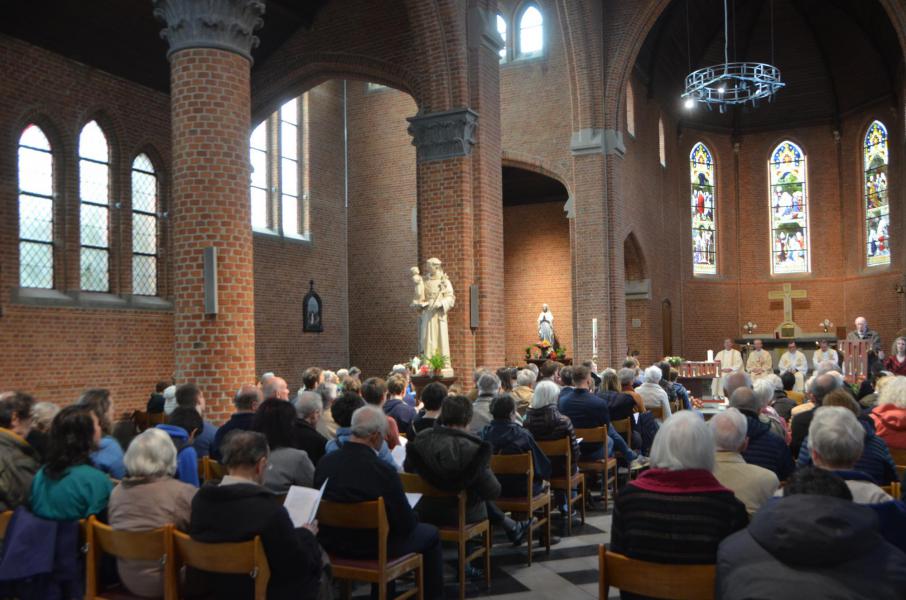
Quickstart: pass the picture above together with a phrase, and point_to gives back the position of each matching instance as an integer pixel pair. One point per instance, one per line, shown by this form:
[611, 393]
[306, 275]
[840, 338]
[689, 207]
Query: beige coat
[143, 504]
[753, 485]
[523, 395]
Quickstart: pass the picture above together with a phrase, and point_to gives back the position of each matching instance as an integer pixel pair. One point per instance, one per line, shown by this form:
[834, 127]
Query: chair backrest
[515, 464]
[154, 545]
[596, 435]
[212, 469]
[623, 426]
[140, 420]
[672, 582]
[657, 411]
[155, 419]
[358, 515]
[414, 484]
[556, 448]
[4, 522]
[899, 456]
[235, 558]
[893, 489]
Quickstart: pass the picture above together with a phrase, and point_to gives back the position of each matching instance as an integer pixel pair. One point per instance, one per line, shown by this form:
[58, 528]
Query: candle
[710, 355]
[594, 337]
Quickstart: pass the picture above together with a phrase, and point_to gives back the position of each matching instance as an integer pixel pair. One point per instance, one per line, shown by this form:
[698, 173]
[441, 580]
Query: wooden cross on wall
[787, 296]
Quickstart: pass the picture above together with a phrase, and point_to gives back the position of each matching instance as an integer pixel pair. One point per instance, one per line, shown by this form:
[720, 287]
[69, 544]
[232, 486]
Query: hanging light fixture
[733, 82]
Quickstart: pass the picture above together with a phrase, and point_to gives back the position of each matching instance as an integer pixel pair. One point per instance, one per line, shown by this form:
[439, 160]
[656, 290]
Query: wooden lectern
[855, 359]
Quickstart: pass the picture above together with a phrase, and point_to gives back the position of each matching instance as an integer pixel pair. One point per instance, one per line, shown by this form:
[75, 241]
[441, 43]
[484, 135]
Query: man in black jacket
[356, 474]
[765, 448]
[239, 508]
[246, 401]
[305, 435]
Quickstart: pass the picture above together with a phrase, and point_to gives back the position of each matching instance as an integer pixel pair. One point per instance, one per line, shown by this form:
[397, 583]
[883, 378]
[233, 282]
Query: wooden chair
[605, 467]
[155, 419]
[4, 522]
[155, 545]
[234, 558]
[379, 571]
[894, 489]
[899, 458]
[140, 420]
[211, 470]
[671, 582]
[566, 483]
[460, 533]
[521, 465]
[657, 411]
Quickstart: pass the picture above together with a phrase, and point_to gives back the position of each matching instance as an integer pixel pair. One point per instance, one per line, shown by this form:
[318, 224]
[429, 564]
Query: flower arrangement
[428, 365]
[674, 361]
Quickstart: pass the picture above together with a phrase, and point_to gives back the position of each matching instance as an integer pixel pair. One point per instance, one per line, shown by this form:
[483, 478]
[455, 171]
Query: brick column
[210, 61]
[460, 209]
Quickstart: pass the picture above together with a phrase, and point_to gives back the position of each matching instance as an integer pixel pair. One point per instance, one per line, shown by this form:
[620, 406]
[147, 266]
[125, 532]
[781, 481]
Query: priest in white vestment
[795, 362]
[730, 362]
[759, 364]
[824, 352]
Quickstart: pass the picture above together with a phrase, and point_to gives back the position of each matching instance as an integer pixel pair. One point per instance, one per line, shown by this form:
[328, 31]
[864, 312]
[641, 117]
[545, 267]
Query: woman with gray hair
[147, 498]
[764, 395]
[677, 511]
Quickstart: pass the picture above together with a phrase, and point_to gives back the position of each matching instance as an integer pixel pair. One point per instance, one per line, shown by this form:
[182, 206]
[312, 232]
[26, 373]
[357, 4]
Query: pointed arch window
[704, 211]
[877, 209]
[36, 208]
[94, 209]
[789, 210]
[277, 151]
[501, 29]
[630, 110]
[661, 147]
[531, 32]
[145, 232]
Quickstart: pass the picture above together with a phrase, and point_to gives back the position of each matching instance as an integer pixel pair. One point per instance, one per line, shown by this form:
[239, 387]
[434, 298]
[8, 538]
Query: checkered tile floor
[569, 572]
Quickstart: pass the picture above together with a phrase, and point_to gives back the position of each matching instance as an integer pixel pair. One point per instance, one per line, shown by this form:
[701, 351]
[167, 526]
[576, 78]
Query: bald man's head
[275, 388]
[735, 381]
[822, 385]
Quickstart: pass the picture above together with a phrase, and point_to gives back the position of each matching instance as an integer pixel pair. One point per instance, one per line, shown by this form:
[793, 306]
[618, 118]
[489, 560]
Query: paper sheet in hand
[399, 453]
[302, 504]
[413, 498]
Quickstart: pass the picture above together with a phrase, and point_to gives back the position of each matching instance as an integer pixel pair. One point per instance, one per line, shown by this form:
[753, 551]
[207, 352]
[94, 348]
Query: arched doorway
[537, 259]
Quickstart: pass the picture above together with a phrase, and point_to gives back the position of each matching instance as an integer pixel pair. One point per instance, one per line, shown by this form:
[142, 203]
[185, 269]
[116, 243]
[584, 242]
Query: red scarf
[687, 481]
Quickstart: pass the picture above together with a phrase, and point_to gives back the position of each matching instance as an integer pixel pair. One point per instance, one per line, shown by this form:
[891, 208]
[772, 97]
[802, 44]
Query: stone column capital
[223, 24]
[443, 135]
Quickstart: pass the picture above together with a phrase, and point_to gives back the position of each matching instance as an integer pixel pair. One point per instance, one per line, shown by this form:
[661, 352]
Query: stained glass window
[144, 227]
[531, 32]
[94, 214]
[501, 29]
[630, 110]
[276, 153]
[35, 209]
[662, 148]
[877, 209]
[704, 207]
[789, 210]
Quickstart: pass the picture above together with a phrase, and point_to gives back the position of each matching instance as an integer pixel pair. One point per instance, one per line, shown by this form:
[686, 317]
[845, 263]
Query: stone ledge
[89, 300]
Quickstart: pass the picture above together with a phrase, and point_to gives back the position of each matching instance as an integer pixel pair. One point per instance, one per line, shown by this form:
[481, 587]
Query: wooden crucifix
[787, 295]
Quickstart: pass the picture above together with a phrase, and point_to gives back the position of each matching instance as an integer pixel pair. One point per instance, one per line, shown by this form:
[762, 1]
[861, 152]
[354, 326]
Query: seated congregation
[771, 504]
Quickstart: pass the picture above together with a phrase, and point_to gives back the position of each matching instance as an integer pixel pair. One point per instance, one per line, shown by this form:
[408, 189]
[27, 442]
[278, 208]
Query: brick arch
[635, 266]
[577, 24]
[315, 69]
[535, 164]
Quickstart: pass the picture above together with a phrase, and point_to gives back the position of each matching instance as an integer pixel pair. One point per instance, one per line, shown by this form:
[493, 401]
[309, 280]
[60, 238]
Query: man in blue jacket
[765, 448]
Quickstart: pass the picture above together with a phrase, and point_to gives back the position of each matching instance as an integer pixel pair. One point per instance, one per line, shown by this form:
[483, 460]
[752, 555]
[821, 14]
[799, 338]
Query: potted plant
[436, 362]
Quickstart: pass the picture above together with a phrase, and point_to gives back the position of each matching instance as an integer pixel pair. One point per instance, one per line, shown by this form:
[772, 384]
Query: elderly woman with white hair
[544, 422]
[653, 395]
[523, 392]
[764, 395]
[148, 498]
[677, 511]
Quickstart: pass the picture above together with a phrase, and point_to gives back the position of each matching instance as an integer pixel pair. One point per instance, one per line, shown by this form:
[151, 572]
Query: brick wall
[284, 267]
[537, 271]
[383, 242]
[56, 353]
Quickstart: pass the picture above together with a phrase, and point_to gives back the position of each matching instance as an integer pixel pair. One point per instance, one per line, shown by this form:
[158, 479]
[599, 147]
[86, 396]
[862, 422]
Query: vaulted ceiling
[835, 56]
[123, 37]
